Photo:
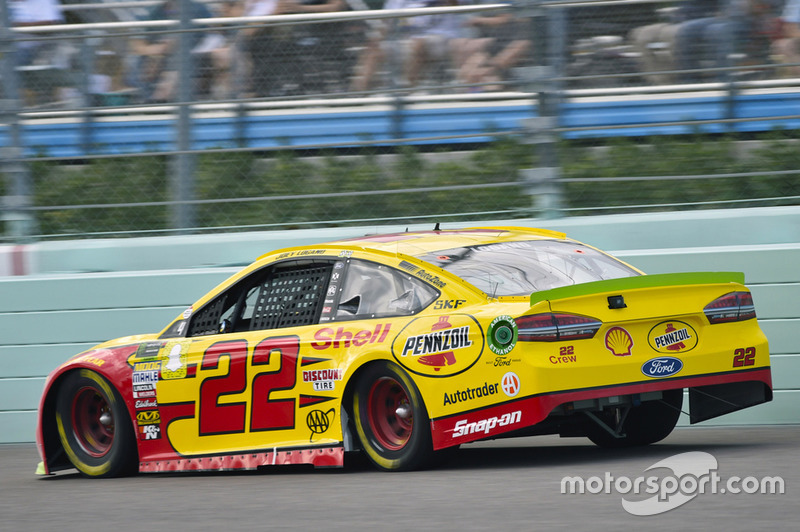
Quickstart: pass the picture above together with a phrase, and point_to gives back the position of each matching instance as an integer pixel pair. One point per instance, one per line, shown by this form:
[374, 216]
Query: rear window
[521, 268]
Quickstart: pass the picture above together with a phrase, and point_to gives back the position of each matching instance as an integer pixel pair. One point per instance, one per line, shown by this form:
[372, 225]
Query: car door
[261, 363]
[231, 384]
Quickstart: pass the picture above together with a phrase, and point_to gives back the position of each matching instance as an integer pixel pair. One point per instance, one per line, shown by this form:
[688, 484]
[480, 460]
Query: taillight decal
[736, 306]
[551, 327]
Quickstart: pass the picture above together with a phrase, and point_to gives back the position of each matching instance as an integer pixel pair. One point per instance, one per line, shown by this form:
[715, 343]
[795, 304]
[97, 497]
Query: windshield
[521, 268]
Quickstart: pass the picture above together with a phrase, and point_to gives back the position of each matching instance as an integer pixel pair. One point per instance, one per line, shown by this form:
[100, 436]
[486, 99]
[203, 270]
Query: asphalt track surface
[489, 486]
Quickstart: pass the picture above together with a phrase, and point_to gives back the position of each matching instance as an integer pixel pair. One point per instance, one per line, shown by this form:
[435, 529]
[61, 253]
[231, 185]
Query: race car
[405, 346]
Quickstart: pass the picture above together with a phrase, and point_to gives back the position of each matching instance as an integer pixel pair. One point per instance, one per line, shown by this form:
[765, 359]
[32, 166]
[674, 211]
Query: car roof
[416, 243]
[411, 244]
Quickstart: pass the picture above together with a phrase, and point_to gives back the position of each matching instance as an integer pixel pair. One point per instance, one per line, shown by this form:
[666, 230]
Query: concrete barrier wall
[79, 293]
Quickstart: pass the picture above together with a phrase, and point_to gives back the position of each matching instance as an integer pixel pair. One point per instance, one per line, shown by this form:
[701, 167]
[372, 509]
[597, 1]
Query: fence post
[396, 82]
[548, 26]
[730, 77]
[86, 70]
[184, 161]
[16, 204]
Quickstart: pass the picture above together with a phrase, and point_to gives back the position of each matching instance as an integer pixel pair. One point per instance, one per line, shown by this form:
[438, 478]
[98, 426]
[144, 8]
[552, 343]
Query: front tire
[390, 419]
[650, 422]
[94, 426]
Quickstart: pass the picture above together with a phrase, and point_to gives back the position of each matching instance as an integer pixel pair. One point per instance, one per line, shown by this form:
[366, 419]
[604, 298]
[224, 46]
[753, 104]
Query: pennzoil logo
[672, 337]
[437, 342]
[439, 346]
[148, 417]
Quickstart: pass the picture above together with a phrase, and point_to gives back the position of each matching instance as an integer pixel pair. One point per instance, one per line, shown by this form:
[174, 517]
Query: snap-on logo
[662, 367]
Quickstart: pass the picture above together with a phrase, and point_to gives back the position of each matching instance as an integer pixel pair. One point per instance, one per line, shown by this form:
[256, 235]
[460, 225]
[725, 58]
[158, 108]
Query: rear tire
[390, 419]
[650, 422]
[94, 426]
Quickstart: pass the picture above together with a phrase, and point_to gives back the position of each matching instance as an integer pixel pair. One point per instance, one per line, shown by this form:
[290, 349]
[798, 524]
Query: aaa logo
[319, 422]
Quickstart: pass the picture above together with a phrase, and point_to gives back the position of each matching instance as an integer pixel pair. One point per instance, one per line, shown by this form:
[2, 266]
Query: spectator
[155, 69]
[280, 57]
[706, 34]
[500, 43]
[37, 60]
[787, 48]
[219, 57]
[655, 43]
[418, 42]
[738, 28]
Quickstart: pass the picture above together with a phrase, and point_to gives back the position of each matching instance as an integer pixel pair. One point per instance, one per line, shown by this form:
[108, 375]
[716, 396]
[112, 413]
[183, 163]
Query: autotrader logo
[693, 473]
[510, 384]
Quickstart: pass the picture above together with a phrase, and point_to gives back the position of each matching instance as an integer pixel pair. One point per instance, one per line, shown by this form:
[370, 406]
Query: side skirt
[318, 457]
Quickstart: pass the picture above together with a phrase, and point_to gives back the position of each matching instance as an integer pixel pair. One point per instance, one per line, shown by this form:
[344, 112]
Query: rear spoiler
[639, 281]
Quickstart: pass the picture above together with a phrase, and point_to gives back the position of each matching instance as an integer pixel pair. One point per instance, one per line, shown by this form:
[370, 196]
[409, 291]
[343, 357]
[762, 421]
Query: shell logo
[439, 346]
[619, 342]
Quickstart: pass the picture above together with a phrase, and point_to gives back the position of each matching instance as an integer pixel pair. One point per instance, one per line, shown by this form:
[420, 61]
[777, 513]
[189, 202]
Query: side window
[209, 318]
[372, 290]
[291, 296]
[288, 294]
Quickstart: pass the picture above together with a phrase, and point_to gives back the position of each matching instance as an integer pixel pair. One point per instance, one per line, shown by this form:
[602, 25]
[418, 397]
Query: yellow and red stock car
[405, 345]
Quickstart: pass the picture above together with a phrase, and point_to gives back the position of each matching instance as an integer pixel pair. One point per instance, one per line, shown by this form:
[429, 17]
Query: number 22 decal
[744, 357]
[265, 413]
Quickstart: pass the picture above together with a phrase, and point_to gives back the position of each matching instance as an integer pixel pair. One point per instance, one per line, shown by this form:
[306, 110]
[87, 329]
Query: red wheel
[93, 421]
[94, 426]
[390, 413]
[390, 418]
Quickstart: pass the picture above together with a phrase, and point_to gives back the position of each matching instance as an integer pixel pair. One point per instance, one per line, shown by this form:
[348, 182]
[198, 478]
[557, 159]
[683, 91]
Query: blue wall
[315, 123]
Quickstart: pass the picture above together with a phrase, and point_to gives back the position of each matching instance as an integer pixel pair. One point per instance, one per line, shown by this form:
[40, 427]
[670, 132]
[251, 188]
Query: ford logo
[662, 367]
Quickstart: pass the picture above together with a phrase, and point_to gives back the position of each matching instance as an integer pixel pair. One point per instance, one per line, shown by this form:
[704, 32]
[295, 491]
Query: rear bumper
[710, 395]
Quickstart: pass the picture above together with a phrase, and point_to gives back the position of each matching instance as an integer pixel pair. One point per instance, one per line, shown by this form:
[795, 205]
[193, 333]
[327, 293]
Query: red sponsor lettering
[328, 337]
[314, 375]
